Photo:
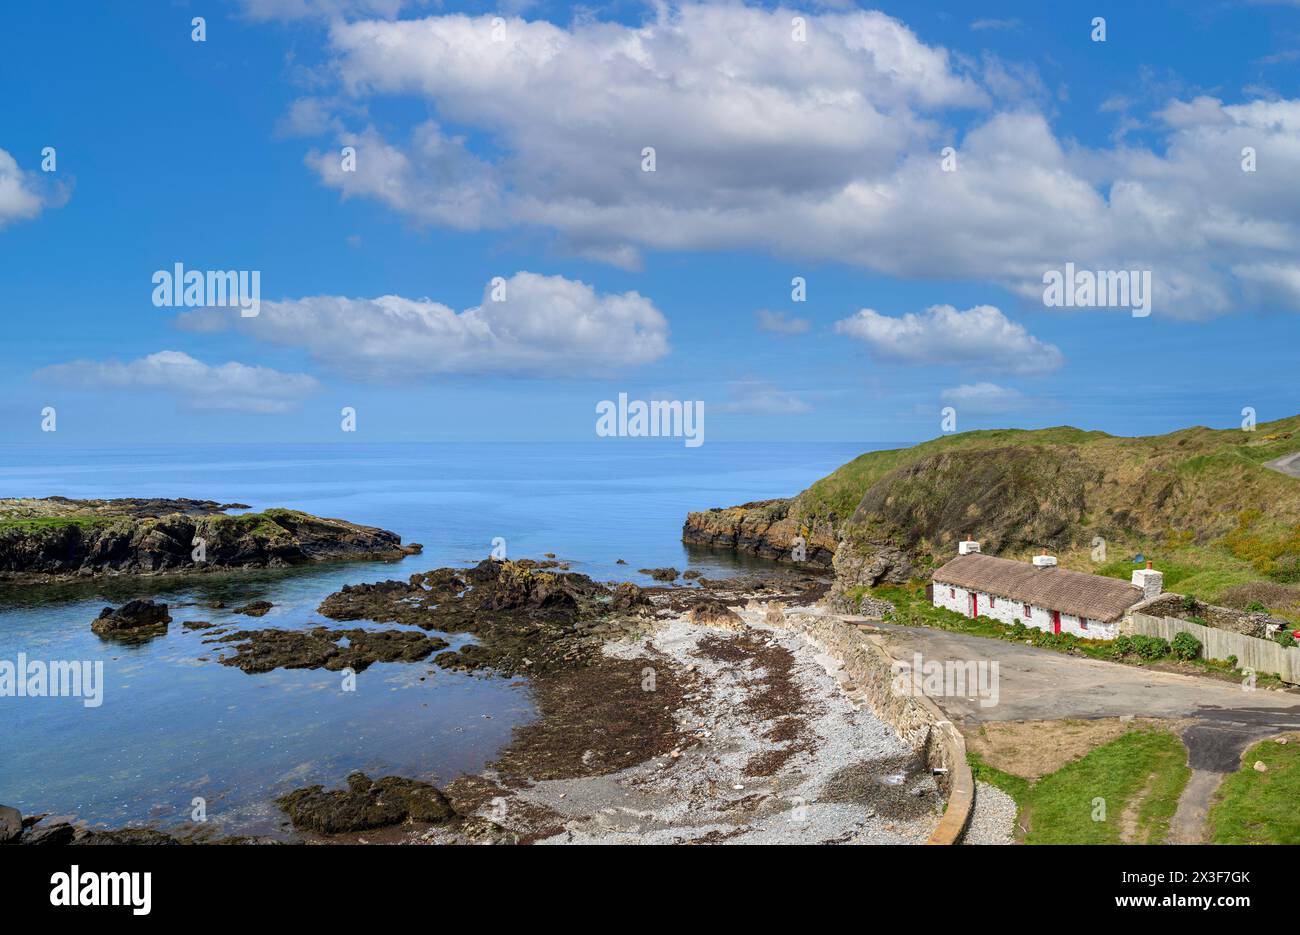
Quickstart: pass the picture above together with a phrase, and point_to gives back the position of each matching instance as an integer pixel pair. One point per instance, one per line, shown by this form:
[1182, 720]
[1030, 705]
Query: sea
[179, 737]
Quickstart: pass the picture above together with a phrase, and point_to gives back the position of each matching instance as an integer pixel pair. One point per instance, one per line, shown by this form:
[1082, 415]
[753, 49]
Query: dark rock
[713, 613]
[692, 573]
[56, 834]
[196, 624]
[628, 597]
[660, 574]
[469, 657]
[11, 824]
[526, 619]
[318, 648]
[134, 619]
[254, 609]
[365, 804]
[124, 836]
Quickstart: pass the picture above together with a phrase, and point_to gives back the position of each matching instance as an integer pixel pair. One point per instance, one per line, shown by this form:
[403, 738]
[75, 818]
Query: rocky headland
[54, 538]
[1216, 500]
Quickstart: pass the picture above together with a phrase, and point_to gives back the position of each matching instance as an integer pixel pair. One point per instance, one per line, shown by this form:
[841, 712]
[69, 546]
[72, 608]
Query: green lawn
[1260, 808]
[1134, 780]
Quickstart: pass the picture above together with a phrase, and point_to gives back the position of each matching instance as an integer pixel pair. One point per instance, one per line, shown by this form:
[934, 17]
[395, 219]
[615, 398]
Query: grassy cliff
[1203, 502]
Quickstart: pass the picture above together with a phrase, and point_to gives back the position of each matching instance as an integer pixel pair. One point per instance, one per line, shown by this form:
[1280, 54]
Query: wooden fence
[1264, 656]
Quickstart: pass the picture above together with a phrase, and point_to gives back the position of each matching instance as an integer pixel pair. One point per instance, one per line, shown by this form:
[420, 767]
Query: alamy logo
[655, 419]
[1113, 288]
[952, 678]
[214, 288]
[75, 888]
[59, 678]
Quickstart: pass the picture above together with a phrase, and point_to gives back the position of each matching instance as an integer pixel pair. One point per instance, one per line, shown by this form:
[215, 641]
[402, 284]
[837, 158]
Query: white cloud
[547, 326]
[229, 386]
[826, 149]
[985, 399]
[22, 194]
[1271, 282]
[778, 323]
[979, 338]
[258, 10]
[435, 178]
[757, 397]
[1010, 24]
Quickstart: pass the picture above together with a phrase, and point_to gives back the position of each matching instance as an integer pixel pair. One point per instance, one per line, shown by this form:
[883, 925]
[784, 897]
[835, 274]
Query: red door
[1056, 621]
[974, 605]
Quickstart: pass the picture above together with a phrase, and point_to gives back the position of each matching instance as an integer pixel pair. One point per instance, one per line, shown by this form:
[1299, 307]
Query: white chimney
[1044, 560]
[1151, 582]
[967, 547]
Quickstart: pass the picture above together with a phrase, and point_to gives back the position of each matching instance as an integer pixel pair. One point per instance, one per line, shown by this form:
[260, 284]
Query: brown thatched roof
[1053, 588]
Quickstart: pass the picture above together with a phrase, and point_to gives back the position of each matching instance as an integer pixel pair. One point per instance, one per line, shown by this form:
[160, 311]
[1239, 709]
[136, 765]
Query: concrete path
[1039, 684]
[1287, 464]
[1188, 824]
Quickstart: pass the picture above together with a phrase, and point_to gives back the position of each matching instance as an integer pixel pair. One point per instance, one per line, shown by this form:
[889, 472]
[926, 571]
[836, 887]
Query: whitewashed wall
[1008, 612]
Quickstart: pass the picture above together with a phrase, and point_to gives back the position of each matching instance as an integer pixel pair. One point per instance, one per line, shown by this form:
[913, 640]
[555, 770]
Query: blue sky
[519, 156]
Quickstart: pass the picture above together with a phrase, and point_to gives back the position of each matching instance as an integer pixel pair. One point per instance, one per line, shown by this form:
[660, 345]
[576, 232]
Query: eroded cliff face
[57, 538]
[763, 528]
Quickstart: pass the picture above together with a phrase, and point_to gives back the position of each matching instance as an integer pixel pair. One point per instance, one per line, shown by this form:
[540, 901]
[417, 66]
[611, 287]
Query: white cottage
[1040, 594]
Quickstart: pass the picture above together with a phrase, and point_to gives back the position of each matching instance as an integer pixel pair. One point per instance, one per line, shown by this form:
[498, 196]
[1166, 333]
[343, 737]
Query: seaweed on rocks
[526, 619]
[319, 648]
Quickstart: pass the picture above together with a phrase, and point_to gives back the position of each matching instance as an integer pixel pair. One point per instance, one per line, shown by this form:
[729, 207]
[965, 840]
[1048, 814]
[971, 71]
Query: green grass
[37, 523]
[1260, 808]
[248, 524]
[837, 494]
[1083, 802]
[1228, 452]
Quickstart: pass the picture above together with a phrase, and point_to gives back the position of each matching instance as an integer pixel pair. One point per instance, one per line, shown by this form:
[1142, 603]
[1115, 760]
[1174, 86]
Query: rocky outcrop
[715, 614]
[661, 574]
[527, 620]
[11, 824]
[762, 528]
[366, 803]
[56, 538]
[628, 598]
[254, 609]
[319, 648]
[134, 620]
[869, 565]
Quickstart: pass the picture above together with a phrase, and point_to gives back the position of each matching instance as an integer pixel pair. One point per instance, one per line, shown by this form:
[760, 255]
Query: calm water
[173, 726]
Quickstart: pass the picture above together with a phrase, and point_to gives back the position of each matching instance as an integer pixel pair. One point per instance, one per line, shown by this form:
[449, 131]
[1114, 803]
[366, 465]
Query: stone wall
[1248, 623]
[919, 722]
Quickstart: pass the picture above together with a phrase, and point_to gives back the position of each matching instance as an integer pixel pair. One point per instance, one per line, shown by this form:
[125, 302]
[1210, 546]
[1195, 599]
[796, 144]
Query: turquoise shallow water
[173, 727]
